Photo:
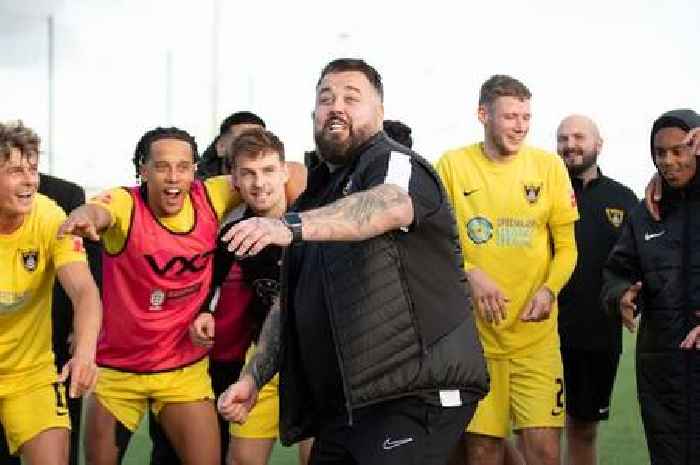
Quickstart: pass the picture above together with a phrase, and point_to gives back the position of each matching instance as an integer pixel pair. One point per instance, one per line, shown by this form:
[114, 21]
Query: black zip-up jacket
[398, 308]
[604, 206]
[665, 257]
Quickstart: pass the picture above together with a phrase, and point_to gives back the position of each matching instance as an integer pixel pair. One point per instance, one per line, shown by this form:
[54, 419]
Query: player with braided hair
[158, 239]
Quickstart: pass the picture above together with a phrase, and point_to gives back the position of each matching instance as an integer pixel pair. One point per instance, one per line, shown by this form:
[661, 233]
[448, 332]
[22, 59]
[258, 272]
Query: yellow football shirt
[119, 203]
[29, 258]
[504, 212]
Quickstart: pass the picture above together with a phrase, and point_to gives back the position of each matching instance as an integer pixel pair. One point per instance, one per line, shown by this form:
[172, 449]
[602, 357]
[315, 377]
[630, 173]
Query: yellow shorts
[263, 420]
[526, 392]
[26, 414]
[127, 395]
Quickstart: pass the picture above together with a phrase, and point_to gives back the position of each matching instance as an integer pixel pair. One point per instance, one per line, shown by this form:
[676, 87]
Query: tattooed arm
[357, 217]
[263, 365]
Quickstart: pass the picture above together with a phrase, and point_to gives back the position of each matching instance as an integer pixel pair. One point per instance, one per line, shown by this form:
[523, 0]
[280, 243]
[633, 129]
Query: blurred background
[92, 75]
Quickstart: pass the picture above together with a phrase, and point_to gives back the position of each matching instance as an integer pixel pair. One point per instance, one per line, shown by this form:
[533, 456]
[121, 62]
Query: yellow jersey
[119, 203]
[504, 213]
[29, 258]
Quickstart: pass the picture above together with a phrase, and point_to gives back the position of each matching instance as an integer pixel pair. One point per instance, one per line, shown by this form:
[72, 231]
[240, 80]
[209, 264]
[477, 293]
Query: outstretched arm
[357, 217]
[88, 221]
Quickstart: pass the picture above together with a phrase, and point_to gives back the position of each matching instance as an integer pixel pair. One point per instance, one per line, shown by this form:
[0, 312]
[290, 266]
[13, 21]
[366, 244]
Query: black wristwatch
[293, 222]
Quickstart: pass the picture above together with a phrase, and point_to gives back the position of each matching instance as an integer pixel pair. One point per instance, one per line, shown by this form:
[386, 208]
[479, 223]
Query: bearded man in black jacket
[376, 344]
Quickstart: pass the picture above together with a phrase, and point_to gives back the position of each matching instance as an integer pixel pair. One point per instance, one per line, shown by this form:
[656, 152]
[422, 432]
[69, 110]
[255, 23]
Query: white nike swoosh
[389, 444]
[650, 236]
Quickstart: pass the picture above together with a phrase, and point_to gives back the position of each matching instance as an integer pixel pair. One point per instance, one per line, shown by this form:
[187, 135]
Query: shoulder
[459, 154]
[48, 182]
[619, 188]
[46, 208]
[542, 156]
[216, 185]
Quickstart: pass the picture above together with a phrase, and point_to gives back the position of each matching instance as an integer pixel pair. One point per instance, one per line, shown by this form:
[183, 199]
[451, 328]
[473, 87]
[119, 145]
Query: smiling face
[506, 123]
[578, 144]
[19, 181]
[348, 112]
[675, 160]
[260, 179]
[168, 172]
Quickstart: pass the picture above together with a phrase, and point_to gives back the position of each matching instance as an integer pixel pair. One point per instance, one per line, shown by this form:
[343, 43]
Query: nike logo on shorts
[468, 193]
[389, 444]
[650, 236]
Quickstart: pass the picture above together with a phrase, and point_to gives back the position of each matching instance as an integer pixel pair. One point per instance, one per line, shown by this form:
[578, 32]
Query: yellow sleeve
[222, 195]
[67, 249]
[119, 204]
[564, 260]
[445, 173]
[563, 199]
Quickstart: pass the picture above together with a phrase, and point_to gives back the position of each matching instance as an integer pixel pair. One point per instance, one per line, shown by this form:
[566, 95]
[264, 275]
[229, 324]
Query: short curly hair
[15, 135]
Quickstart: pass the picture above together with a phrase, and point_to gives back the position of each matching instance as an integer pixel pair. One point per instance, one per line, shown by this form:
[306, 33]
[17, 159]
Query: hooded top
[685, 119]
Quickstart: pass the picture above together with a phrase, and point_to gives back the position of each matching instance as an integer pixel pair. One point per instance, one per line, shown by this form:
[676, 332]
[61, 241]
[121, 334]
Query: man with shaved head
[590, 340]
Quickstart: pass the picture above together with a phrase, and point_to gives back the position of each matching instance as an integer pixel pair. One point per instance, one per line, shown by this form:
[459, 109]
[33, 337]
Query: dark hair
[341, 65]
[240, 117]
[143, 147]
[253, 143]
[15, 135]
[500, 85]
[399, 132]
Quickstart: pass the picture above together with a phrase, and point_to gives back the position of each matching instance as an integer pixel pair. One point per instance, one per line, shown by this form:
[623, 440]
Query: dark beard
[340, 152]
[588, 161]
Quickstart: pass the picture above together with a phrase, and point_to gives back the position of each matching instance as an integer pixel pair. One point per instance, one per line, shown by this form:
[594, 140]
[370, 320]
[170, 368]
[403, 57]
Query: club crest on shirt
[532, 192]
[615, 216]
[30, 259]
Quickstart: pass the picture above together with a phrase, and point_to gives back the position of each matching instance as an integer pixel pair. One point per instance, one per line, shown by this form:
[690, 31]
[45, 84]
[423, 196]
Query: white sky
[623, 63]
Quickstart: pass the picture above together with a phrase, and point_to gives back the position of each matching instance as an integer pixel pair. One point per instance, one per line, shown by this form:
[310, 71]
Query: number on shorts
[559, 398]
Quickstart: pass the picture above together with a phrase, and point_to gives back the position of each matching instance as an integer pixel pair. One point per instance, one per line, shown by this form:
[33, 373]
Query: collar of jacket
[577, 183]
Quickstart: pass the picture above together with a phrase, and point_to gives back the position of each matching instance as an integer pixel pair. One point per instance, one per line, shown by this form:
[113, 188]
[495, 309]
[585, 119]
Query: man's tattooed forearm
[363, 214]
[265, 362]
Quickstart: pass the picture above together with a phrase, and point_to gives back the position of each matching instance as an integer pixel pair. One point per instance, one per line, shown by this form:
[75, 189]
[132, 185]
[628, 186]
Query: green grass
[621, 439]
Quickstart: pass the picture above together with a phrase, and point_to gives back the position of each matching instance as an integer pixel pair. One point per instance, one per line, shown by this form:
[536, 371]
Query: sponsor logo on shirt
[13, 301]
[479, 230]
[615, 216]
[514, 232]
[179, 264]
[157, 300]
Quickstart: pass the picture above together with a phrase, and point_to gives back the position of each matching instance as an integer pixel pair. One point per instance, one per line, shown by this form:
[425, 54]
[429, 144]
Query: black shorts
[589, 377]
[406, 431]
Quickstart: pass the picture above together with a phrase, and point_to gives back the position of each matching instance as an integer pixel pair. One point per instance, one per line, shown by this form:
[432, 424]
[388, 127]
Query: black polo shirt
[604, 205]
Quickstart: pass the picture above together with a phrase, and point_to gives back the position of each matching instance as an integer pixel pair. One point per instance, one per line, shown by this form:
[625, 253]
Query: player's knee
[582, 431]
[482, 449]
[548, 452]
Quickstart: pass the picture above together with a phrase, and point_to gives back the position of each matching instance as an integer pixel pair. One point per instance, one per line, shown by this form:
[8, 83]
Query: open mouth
[335, 125]
[25, 196]
[172, 193]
